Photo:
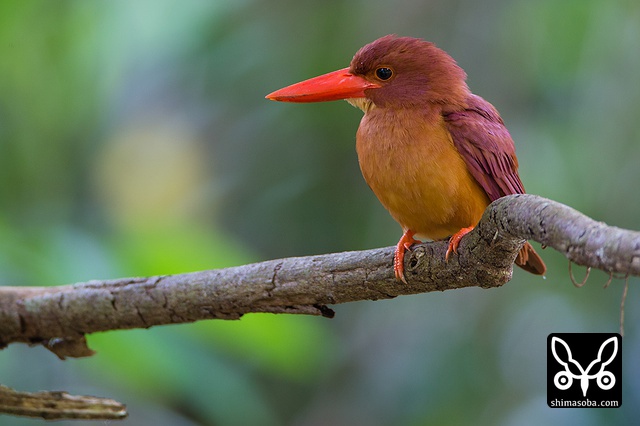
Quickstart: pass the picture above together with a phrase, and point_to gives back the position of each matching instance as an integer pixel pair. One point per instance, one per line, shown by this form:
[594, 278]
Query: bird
[435, 154]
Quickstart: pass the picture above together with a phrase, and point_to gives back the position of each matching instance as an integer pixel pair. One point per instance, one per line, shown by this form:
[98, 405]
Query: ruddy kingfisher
[433, 153]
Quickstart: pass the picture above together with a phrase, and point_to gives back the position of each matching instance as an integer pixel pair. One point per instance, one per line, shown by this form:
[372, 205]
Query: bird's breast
[409, 161]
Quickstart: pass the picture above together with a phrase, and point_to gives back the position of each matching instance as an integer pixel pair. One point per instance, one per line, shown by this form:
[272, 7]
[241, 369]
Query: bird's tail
[530, 261]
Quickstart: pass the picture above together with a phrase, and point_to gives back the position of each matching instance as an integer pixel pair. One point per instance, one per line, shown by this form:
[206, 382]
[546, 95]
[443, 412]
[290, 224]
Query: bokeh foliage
[135, 140]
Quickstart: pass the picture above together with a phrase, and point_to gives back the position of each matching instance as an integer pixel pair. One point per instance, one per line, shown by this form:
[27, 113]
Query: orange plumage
[434, 154]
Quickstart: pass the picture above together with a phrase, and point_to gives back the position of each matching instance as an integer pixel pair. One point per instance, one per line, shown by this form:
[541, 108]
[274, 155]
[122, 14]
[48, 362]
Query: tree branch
[59, 317]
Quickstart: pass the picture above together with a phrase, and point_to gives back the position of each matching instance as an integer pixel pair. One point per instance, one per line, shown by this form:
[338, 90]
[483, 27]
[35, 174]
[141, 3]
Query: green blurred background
[135, 140]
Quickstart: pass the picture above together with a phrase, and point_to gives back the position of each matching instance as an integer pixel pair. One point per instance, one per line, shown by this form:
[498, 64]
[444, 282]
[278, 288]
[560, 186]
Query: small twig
[59, 406]
[573, 280]
[606, 285]
[624, 298]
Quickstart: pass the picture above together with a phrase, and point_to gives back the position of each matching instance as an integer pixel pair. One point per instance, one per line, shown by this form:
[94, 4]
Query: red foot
[404, 244]
[454, 241]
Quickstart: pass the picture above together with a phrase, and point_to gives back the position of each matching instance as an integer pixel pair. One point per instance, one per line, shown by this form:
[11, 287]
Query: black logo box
[584, 370]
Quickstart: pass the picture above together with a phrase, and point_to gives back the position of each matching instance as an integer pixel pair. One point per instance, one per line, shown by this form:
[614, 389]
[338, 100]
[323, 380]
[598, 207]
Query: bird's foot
[404, 244]
[454, 241]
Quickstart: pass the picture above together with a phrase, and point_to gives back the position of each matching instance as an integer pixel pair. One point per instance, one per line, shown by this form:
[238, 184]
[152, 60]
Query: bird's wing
[485, 144]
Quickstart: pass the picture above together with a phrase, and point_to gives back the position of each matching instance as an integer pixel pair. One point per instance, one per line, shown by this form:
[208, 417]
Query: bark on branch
[60, 317]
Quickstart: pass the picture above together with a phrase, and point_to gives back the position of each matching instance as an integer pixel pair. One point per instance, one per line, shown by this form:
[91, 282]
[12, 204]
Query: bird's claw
[405, 243]
[454, 242]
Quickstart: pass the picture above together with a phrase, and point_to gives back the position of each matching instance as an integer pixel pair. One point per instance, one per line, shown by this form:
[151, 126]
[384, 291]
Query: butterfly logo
[574, 371]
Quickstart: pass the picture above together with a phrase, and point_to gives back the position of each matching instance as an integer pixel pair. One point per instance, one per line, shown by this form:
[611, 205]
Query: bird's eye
[384, 73]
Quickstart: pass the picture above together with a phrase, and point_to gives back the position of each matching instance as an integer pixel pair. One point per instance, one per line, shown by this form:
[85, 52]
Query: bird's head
[396, 72]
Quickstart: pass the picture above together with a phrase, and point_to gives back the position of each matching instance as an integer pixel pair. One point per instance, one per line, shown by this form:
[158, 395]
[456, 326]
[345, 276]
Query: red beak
[333, 86]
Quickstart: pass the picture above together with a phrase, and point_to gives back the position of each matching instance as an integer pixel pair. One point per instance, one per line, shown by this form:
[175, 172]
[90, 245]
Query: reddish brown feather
[485, 144]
